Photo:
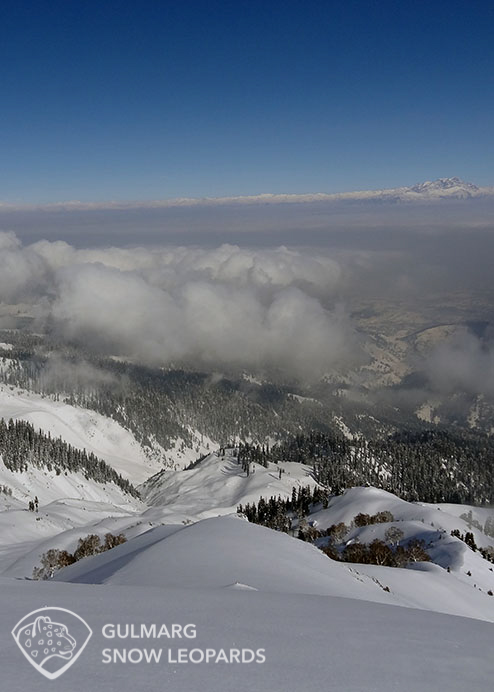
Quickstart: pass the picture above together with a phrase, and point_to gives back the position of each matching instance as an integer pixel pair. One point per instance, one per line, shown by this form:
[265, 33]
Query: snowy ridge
[446, 187]
[442, 188]
[217, 485]
[217, 553]
[228, 550]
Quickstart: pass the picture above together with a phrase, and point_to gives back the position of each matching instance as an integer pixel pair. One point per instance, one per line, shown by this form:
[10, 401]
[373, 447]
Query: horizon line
[402, 193]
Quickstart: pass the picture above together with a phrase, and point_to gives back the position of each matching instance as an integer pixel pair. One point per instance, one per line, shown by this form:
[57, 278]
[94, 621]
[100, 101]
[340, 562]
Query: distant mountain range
[429, 191]
[442, 188]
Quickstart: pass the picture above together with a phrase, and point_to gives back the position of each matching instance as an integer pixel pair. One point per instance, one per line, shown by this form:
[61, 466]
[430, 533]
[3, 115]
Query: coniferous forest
[433, 465]
[269, 423]
[21, 446]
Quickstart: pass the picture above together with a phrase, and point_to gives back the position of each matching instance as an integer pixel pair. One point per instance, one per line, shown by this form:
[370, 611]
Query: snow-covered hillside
[80, 428]
[227, 552]
[310, 642]
[25, 536]
[224, 552]
[49, 486]
[72, 506]
[168, 547]
[432, 524]
[358, 627]
[218, 484]
[189, 558]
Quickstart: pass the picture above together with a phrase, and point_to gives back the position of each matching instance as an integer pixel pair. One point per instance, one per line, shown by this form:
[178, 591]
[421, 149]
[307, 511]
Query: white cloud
[463, 363]
[224, 306]
[23, 273]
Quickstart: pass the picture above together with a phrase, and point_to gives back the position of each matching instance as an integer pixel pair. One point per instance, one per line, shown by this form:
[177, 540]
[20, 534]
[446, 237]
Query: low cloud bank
[464, 363]
[225, 306]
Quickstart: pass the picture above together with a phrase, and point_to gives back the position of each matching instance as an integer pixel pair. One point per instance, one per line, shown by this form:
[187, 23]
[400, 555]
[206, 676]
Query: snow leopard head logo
[46, 638]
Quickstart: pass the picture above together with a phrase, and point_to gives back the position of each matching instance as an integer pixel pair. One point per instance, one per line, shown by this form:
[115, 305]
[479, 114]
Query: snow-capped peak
[451, 186]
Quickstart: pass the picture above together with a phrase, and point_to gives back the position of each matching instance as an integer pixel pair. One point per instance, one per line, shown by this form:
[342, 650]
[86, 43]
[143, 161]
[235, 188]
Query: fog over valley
[413, 283]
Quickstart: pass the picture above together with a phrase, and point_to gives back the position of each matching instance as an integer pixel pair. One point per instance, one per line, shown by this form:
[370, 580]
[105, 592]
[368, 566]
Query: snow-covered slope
[66, 499]
[320, 622]
[217, 485]
[49, 486]
[82, 428]
[227, 552]
[223, 552]
[310, 642]
[432, 524]
[343, 508]
[219, 553]
[25, 536]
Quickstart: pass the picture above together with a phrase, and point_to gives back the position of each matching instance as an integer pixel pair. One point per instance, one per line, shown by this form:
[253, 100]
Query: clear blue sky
[140, 100]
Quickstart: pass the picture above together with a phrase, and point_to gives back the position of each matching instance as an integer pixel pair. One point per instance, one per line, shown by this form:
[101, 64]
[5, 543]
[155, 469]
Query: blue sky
[146, 100]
